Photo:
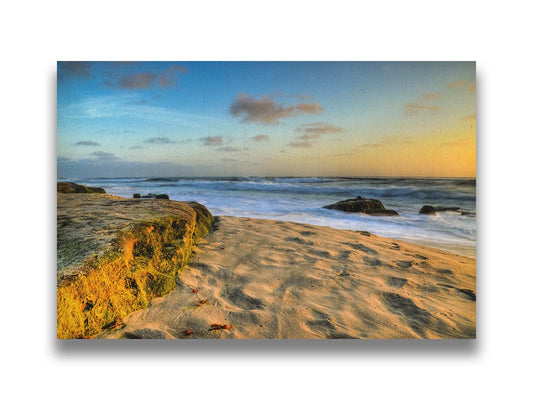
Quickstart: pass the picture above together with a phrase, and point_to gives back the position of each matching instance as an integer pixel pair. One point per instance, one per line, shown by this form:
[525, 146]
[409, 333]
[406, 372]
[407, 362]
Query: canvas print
[266, 200]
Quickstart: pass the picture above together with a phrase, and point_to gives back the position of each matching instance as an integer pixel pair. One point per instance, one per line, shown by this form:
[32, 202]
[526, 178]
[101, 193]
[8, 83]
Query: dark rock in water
[136, 195]
[427, 210]
[381, 212]
[440, 208]
[71, 187]
[432, 210]
[361, 205]
[468, 213]
[152, 196]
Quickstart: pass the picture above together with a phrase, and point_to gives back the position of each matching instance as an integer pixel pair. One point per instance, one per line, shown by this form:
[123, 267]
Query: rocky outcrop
[431, 210]
[71, 187]
[114, 255]
[361, 205]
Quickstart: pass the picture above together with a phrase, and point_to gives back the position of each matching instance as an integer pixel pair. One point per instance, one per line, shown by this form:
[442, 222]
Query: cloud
[303, 144]
[456, 84]
[159, 140]
[414, 108]
[170, 76]
[75, 69]
[144, 80]
[114, 168]
[212, 140]
[429, 96]
[141, 80]
[104, 156]
[137, 147]
[314, 131]
[317, 129]
[310, 108]
[266, 111]
[371, 145]
[86, 143]
[229, 149]
[261, 138]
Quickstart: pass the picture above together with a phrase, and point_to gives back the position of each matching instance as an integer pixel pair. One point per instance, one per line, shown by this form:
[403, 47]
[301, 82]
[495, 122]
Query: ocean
[301, 200]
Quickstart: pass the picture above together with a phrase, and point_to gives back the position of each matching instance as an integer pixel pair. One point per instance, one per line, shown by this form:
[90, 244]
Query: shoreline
[276, 279]
[454, 248]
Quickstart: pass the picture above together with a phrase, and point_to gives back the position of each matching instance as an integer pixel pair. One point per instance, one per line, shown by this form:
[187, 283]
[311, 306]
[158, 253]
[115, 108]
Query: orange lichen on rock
[140, 264]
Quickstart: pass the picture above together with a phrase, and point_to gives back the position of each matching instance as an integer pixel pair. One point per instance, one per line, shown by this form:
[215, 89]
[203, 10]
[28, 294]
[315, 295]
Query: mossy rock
[130, 253]
[71, 187]
[136, 195]
[162, 196]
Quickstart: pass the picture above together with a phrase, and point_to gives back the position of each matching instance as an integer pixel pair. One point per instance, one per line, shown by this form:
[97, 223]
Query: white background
[495, 34]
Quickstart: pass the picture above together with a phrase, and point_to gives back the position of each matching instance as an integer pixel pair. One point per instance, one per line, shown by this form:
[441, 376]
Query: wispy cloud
[229, 149]
[212, 140]
[159, 140]
[304, 144]
[114, 168]
[415, 108]
[141, 80]
[266, 111]
[86, 143]
[318, 129]
[261, 138]
[125, 107]
[429, 96]
[170, 76]
[104, 156]
[148, 79]
[74, 69]
[456, 84]
[312, 132]
[137, 147]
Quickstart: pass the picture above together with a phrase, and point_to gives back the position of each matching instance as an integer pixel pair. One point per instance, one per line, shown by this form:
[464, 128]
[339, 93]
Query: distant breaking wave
[300, 199]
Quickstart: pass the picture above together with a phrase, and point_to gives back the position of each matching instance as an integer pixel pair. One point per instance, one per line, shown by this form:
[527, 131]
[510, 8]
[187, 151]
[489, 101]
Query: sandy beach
[260, 279]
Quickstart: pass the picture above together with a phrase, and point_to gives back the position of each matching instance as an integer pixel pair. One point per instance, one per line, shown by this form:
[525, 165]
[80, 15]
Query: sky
[163, 119]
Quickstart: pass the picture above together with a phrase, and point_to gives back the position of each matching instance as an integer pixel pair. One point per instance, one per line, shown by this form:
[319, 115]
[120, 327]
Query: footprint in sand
[404, 264]
[362, 247]
[236, 296]
[465, 293]
[396, 282]
[417, 318]
[371, 261]
[300, 241]
[445, 271]
[320, 323]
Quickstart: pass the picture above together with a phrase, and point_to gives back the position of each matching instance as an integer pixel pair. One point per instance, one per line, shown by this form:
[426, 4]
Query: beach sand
[283, 280]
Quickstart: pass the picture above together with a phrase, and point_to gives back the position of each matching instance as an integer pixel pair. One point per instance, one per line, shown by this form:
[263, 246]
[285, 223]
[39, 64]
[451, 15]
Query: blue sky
[266, 118]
